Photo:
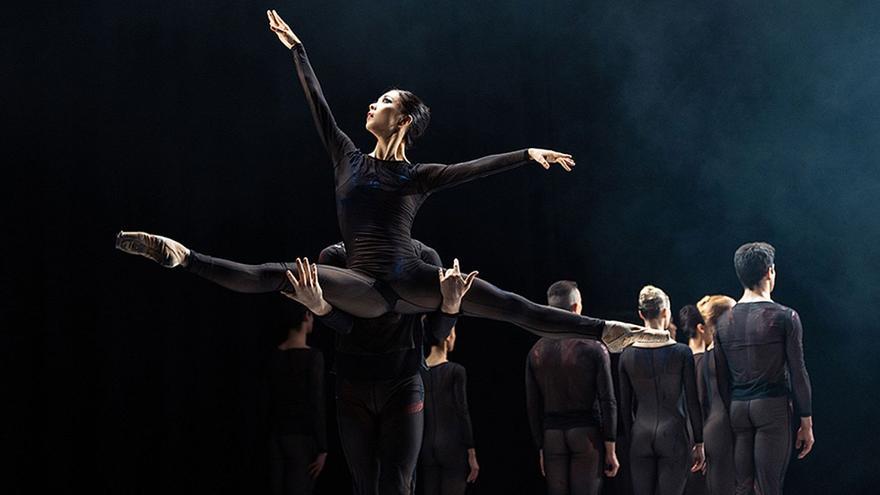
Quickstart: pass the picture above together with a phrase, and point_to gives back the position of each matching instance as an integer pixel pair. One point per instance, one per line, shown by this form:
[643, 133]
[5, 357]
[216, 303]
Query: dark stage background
[697, 126]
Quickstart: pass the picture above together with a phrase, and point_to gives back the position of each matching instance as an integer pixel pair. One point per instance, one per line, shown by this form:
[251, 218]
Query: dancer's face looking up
[385, 116]
[399, 114]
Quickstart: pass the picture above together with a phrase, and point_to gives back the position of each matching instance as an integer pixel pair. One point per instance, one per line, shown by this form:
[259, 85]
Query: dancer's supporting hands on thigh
[306, 288]
[453, 287]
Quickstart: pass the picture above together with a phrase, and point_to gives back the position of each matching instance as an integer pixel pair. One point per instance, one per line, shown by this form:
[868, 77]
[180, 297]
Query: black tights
[659, 460]
[290, 456]
[762, 444]
[416, 290]
[380, 427]
[573, 461]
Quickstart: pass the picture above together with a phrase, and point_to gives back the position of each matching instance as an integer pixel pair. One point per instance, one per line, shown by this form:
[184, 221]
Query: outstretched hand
[306, 288]
[453, 287]
[282, 30]
[546, 157]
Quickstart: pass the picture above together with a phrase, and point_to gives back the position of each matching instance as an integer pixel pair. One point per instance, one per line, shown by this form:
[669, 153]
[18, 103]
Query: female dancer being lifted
[377, 198]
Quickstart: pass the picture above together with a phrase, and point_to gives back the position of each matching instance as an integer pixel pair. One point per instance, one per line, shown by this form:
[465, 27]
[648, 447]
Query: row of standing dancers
[680, 426]
[381, 287]
[723, 405]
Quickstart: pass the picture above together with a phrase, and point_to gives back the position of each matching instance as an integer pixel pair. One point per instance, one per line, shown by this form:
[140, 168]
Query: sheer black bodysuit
[376, 203]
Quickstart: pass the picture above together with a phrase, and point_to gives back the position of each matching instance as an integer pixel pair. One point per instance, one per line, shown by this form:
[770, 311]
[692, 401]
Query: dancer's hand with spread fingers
[546, 157]
[306, 288]
[282, 30]
[453, 287]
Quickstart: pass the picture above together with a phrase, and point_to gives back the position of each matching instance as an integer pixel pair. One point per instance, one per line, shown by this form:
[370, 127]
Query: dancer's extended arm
[695, 414]
[336, 142]
[800, 384]
[435, 176]
[608, 407]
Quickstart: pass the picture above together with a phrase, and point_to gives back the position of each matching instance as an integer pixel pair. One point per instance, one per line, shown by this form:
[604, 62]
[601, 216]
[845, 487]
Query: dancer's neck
[296, 339]
[758, 294]
[439, 355]
[655, 324]
[697, 345]
[391, 148]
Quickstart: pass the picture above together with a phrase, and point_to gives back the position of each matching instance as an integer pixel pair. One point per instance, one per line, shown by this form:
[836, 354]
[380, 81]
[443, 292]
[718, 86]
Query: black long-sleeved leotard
[652, 382]
[564, 378]
[377, 200]
[376, 204]
[760, 353]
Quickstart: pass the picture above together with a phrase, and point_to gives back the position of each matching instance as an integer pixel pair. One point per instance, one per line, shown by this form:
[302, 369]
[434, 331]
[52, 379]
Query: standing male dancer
[759, 350]
[564, 378]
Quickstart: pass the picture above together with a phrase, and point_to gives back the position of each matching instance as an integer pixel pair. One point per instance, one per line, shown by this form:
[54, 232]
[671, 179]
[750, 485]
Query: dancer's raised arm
[335, 141]
[434, 176]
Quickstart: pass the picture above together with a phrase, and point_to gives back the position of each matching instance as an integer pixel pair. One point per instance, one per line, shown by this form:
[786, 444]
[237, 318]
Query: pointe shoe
[167, 252]
[618, 335]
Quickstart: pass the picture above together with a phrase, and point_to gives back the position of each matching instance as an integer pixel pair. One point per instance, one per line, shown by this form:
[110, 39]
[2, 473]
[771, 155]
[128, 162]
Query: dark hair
[561, 294]
[752, 261]
[688, 318]
[291, 314]
[413, 106]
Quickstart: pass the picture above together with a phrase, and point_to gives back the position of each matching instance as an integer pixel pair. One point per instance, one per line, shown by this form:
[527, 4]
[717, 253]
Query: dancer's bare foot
[167, 252]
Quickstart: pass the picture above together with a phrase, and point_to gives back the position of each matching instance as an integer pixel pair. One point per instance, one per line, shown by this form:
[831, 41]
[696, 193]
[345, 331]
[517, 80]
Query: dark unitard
[564, 379]
[443, 461]
[652, 383]
[379, 391]
[622, 483]
[759, 356]
[720, 474]
[376, 204]
[696, 482]
[298, 423]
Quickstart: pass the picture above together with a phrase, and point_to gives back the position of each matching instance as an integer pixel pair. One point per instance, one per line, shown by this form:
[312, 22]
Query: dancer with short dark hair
[759, 356]
[448, 459]
[298, 432]
[379, 390]
[564, 380]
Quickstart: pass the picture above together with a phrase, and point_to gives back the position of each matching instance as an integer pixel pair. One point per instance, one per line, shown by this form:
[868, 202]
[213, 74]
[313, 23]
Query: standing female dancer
[448, 460]
[691, 328]
[759, 355]
[720, 475]
[298, 436]
[653, 380]
[377, 198]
